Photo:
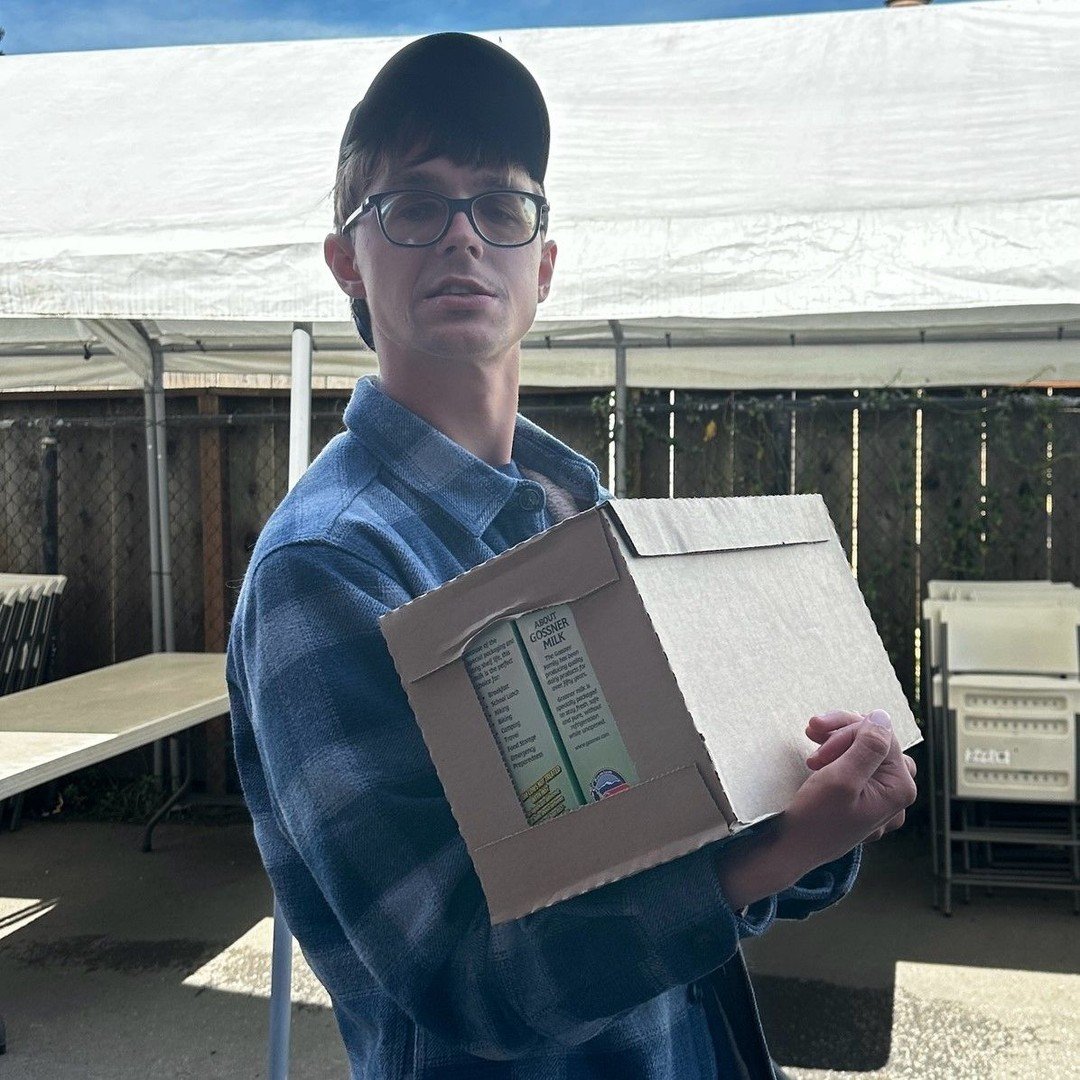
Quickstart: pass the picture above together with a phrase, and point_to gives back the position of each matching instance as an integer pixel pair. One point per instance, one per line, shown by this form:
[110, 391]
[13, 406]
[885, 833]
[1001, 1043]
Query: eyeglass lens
[419, 217]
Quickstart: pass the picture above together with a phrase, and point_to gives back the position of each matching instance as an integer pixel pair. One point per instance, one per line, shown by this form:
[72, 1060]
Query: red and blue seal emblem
[607, 782]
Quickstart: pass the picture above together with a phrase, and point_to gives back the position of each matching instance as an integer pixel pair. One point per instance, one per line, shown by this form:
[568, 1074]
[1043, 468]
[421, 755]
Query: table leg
[16, 811]
[174, 798]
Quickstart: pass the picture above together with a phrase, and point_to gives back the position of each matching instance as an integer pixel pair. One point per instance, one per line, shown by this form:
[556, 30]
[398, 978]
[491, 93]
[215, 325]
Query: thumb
[868, 750]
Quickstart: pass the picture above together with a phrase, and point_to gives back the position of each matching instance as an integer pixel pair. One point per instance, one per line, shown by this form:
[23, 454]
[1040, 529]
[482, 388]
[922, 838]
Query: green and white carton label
[501, 674]
[547, 711]
[579, 710]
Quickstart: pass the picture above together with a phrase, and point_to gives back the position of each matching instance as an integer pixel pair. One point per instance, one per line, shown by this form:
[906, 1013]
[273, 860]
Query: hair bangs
[415, 139]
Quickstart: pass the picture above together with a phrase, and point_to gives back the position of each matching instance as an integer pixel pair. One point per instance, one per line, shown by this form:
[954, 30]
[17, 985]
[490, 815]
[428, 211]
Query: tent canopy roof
[871, 176]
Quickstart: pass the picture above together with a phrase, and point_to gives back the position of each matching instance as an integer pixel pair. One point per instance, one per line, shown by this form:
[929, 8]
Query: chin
[470, 344]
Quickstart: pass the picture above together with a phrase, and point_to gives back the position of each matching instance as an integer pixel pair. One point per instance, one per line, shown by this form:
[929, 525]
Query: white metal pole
[620, 409]
[300, 403]
[163, 502]
[150, 426]
[149, 408]
[299, 458]
[165, 545]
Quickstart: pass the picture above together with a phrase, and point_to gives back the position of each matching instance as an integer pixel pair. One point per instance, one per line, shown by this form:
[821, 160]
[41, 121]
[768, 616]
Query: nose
[461, 234]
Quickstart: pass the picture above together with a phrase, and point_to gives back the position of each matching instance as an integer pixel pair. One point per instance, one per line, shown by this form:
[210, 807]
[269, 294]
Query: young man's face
[408, 290]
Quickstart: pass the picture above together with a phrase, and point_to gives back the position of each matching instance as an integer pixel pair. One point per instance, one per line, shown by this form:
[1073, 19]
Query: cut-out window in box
[547, 711]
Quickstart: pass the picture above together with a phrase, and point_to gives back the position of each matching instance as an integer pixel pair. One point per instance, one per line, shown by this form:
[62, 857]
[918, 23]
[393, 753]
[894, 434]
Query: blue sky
[65, 25]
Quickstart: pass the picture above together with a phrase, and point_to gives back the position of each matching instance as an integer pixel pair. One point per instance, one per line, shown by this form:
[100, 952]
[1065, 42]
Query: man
[441, 245]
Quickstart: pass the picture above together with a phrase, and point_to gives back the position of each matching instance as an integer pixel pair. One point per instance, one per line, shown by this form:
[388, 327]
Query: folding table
[51, 730]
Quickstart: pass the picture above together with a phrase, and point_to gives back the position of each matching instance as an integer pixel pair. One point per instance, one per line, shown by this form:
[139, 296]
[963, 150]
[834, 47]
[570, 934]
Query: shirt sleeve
[356, 798]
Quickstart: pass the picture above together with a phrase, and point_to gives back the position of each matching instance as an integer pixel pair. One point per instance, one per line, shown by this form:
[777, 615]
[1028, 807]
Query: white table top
[51, 730]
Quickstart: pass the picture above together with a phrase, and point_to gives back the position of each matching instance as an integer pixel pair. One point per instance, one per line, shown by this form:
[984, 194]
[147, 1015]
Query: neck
[475, 405]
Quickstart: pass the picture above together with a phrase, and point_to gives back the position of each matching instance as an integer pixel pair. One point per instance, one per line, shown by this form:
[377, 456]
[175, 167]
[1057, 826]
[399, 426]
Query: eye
[502, 208]
[416, 209]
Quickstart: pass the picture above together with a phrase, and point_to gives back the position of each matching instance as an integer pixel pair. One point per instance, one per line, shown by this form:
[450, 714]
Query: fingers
[870, 745]
[837, 731]
[823, 725]
[832, 747]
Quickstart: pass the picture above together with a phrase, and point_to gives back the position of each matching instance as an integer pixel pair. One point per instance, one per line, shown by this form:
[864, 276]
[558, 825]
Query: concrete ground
[884, 986]
[116, 965]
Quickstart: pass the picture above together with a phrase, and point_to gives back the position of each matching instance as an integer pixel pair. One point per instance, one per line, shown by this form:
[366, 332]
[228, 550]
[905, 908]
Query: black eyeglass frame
[454, 206]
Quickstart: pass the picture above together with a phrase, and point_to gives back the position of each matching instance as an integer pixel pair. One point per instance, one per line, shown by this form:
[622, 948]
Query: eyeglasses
[422, 218]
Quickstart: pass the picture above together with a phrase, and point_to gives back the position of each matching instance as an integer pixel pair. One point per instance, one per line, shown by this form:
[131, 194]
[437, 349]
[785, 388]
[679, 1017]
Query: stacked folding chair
[1001, 691]
[27, 613]
[27, 617]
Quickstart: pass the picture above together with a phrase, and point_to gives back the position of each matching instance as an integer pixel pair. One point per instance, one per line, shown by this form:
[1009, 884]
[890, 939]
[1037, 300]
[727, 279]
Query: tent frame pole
[162, 467]
[153, 508]
[165, 594]
[299, 458]
[620, 408]
[150, 430]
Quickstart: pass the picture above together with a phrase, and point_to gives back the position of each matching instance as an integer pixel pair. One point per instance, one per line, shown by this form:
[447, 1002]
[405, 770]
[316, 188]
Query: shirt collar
[468, 489]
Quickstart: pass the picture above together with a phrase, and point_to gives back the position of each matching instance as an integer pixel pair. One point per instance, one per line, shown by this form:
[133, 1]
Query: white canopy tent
[844, 199]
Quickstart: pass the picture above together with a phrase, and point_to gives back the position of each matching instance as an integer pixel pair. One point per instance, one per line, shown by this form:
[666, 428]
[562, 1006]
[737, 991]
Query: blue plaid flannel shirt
[356, 833]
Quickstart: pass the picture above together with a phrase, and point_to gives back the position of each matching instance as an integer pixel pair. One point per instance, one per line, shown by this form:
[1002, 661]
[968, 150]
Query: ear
[341, 258]
[547, 268]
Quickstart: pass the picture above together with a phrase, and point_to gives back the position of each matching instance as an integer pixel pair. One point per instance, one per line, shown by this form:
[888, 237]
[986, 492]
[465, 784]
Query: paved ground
[884, 986]
[116, 965]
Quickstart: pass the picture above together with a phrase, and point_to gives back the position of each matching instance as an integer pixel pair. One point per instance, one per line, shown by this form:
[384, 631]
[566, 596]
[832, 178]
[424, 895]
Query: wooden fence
[967, 484]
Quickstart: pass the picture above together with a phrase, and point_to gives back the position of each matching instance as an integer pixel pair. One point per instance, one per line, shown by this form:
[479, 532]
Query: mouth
[459, 287]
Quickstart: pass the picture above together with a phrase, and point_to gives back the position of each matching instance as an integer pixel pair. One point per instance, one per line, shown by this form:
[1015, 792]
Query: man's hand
[859, 789]
[862, 782]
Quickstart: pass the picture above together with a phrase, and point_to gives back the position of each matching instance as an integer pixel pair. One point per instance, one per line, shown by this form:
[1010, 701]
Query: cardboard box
[716, 628]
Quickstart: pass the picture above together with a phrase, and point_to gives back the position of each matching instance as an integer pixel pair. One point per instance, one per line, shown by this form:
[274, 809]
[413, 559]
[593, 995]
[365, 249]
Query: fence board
[1065, 524]
[185, 524]
[704, 432]
[761, 445]
[130, 525]
[582, 426]
[1017, 484]
[951, 544]
[886, 527]
[85, 478]
[649, 440]
[20, 505]
[258, 478]
[823, 457]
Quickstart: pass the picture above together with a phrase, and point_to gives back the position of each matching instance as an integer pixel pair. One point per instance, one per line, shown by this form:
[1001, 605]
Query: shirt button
[529, 498]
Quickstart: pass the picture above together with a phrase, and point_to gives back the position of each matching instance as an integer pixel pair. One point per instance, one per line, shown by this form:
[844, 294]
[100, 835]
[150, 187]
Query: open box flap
[685, 526]
[759, 639]
[573, 561]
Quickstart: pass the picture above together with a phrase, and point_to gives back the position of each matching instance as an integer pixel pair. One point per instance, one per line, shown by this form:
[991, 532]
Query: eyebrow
[426, 177]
